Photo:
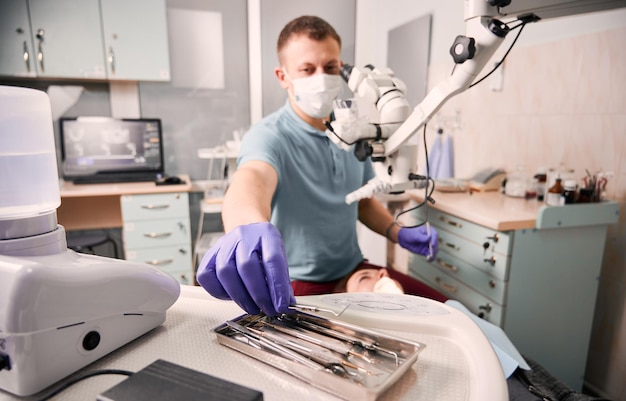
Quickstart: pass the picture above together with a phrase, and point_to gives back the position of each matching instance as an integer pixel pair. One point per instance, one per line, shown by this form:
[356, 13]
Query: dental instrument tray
[345, 360]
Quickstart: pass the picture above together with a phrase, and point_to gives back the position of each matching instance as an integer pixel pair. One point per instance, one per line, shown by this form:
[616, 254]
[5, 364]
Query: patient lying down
[531, 375]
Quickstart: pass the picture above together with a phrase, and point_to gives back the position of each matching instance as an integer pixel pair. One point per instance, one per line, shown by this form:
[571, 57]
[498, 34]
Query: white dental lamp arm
[384, 139]
[486, 43]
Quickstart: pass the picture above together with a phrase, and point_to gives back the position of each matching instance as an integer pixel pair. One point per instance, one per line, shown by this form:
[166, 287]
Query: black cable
[521, 28]
[330, 128]
[428, 191]
[75, 380]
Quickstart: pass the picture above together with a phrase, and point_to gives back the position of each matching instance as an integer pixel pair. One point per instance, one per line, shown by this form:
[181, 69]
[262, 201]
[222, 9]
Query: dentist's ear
[281, 75]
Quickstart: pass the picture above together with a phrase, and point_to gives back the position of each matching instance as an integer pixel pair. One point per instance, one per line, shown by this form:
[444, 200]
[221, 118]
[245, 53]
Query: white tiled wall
[562, 102]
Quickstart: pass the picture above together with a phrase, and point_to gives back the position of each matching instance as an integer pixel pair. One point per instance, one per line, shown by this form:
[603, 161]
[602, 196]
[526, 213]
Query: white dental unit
[61, 311]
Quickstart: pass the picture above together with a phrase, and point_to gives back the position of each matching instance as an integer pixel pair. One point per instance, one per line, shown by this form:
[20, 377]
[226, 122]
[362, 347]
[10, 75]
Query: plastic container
[29, 184]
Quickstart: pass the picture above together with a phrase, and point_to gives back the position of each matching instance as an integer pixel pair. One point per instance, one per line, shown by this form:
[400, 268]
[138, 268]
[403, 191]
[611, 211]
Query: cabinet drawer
[491, 287]
[174, 260]
[155, 206]
[497, 241]
[148, 234]
[449, 286]
[483, 258]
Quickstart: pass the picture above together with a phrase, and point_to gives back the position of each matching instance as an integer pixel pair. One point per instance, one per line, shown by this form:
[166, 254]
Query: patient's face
[373, 280]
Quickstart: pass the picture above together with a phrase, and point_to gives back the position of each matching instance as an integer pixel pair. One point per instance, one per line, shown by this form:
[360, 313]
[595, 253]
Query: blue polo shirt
[308, 207]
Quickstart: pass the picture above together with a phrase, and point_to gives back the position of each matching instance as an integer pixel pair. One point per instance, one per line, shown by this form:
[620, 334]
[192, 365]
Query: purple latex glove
[417, 240]
[249, 266]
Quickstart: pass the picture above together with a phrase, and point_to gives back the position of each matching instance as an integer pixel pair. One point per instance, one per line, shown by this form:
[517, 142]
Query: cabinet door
[68, 38]
[135, 40]
[16, 47]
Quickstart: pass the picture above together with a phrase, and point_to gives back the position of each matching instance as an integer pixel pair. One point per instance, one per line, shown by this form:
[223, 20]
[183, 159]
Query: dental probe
[310, 308]
[274, 347]
[345, 337]
[317, 354]
[318, 339]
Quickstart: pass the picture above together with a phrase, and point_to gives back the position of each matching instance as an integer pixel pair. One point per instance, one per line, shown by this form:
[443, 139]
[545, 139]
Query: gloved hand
[249, 266]
[417, 240]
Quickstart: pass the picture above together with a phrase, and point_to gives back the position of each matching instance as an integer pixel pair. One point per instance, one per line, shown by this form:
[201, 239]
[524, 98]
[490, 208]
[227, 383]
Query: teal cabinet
[537, 279]
[67, 38]
[157, 232]
[17, 55]
[135, 40]
[85, 39]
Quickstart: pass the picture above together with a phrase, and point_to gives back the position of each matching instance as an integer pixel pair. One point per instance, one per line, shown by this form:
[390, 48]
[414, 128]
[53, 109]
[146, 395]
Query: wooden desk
[94, 206]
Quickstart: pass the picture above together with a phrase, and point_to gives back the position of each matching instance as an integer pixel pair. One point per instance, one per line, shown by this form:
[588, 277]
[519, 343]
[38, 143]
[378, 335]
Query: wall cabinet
[135, 40]
[17, 55]
[157, 231]
[84, 39]
[536, 277]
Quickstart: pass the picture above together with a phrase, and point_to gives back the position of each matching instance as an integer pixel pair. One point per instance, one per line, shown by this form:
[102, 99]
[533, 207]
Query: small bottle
[540, 179]
[555, 194]
[569, 191]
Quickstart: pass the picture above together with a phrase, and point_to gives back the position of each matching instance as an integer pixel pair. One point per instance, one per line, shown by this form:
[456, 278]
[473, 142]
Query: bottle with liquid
[540, 179]
[570, 191]
[554, 196]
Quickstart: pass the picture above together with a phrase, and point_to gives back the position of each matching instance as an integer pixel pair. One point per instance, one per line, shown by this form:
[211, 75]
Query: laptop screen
[102, 149]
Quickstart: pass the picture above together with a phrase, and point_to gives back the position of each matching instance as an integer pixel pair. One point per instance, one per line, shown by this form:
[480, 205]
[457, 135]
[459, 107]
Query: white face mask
[388, 286]
[314, 95]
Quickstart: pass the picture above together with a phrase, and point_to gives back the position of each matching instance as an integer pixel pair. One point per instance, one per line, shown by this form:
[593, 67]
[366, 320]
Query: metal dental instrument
[333, 367]
[317, 353]
[322, 340]
[345, 337]
[320, 355]
[430, 244]
[310, 308]
[294, 356]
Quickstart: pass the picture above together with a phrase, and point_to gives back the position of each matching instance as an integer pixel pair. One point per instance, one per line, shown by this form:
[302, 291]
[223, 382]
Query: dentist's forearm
[249, 196]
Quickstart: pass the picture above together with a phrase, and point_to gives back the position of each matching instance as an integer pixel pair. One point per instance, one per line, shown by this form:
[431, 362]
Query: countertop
[497, 211]
[70, 190]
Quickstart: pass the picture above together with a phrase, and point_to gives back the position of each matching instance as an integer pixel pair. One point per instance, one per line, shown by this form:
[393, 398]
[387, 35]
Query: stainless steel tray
[345, 360]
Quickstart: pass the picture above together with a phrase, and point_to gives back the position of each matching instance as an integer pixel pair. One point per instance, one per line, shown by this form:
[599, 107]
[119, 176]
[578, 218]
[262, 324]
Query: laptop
[109, 150]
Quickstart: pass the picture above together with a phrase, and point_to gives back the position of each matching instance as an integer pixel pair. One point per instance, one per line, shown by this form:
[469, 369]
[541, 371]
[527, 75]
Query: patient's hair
[314, 27]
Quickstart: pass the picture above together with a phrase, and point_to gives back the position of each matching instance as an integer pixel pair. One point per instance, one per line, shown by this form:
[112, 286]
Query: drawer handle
[159, 262]
[154, 207]
[447, 265]
[445, 286]
[451, 245]
[494, 238]
[157, 235]
[491, 261]
[450, 222]
[484, 310]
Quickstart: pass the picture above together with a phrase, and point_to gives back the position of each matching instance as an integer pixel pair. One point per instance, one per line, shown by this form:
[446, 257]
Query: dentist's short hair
[314, 27]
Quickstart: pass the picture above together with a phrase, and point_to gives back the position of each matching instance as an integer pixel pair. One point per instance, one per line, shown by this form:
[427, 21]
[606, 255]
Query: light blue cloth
[509, 356]
[309, 208]
[441, 157]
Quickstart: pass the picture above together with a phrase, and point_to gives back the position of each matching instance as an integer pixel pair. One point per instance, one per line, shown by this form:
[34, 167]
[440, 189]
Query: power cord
[428, 190]
[84, 376]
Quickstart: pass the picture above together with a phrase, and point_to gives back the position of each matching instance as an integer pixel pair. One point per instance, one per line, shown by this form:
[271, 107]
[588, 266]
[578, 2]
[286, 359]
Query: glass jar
[555, 194]
[570, 193]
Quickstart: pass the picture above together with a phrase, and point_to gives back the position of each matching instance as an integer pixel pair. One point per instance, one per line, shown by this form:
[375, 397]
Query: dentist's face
[303, 57]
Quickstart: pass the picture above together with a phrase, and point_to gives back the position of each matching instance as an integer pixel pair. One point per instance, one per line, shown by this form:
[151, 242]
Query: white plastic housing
[28, 165]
